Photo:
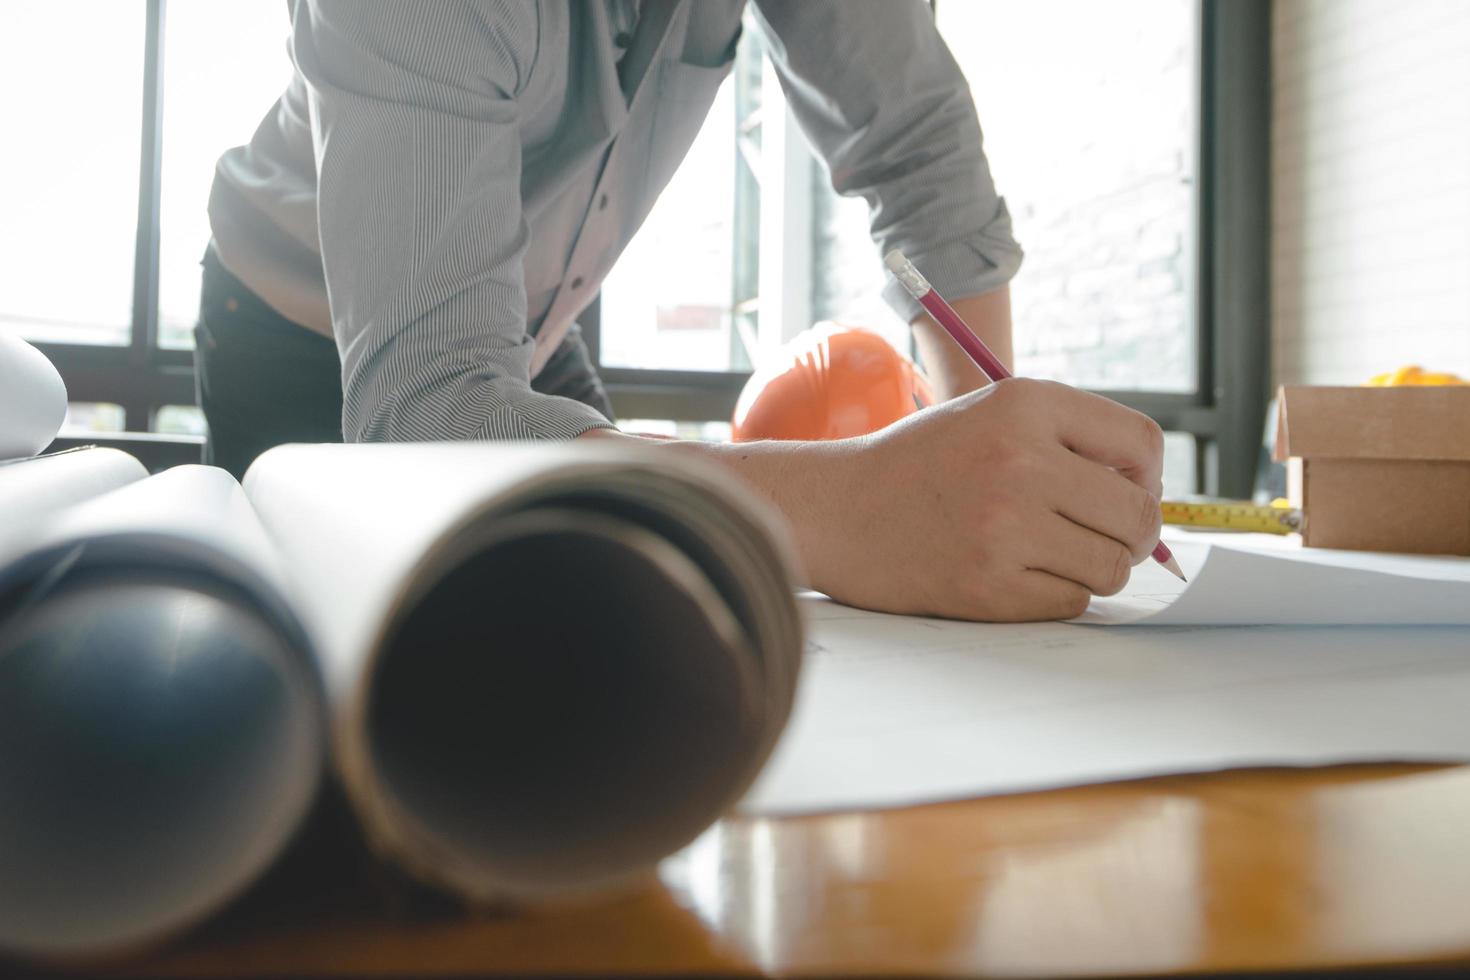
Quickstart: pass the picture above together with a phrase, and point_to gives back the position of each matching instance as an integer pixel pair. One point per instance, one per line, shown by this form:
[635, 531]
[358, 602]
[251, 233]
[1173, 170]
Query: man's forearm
[1012, 502]
[803, 480]
[949, 368]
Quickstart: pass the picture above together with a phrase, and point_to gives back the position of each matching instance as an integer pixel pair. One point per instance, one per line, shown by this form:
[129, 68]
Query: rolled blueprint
[161, 723]
[32, 399]
[549, 666]
[34, 491]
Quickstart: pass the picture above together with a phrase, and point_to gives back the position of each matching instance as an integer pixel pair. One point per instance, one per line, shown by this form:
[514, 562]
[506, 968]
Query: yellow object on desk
[1233, 515]
[1414, 375]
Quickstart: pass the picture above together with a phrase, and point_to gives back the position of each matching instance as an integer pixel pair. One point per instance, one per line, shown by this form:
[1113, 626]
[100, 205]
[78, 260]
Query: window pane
[700, 431]
[225, 64]
[847, 272]
[1088, 113]
[1179, 465]
[184, 420]
[72, 75]
[83, 418]
[670, 302]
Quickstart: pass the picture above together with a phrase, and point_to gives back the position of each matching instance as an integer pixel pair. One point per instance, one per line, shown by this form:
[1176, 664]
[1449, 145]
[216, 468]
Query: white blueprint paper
[1261, 580]
[895, 711]
[32, 399]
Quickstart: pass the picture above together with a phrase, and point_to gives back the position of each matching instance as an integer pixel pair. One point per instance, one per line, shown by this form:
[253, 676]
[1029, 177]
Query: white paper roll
[161, 722]
[549, 666]
[33, 492]
[32, 399]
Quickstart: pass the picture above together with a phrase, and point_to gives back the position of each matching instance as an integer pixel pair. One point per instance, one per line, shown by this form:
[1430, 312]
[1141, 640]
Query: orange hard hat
[829, 382]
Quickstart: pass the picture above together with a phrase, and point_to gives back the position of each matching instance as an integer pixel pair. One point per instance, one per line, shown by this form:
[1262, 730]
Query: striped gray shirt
[443, 186]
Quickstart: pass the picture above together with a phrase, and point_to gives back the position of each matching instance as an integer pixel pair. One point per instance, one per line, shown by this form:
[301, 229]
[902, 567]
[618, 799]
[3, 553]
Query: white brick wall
[1088, 112]
[1371, 188]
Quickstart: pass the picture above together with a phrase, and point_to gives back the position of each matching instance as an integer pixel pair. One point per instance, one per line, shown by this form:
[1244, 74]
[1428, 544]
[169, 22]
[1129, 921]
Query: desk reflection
[1268, 868]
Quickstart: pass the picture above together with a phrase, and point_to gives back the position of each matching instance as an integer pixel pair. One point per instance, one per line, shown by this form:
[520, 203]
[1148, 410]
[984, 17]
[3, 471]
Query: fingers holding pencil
[983, 512]
[1143, 468]
[1102, 500]
[1101, 430]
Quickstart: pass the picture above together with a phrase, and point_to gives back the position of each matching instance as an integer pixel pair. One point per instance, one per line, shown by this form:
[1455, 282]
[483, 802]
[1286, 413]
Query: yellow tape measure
[1232, 515]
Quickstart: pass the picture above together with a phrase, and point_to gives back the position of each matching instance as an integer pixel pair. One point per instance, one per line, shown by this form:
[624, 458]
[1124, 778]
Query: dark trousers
[264, 380]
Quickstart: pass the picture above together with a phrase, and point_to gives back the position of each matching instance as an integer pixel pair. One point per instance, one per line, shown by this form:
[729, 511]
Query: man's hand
[1015, 502]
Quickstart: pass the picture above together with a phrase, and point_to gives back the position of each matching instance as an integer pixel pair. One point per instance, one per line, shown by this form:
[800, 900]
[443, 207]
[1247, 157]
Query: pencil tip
[1173, 566]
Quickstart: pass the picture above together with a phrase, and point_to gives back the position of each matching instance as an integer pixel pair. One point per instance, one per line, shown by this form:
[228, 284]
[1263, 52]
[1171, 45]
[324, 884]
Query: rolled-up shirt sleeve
[415, 128]
[877, 92]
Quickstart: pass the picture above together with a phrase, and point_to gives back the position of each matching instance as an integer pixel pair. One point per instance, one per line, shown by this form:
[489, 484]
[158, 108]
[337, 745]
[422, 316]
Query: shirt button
[577, 283]
[602, 203]
[623, 39]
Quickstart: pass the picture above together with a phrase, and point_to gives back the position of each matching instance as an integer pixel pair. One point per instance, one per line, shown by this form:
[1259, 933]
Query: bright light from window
[225, 64]
[667, 303]
[83, 418]
[73, 82]
[1088, 113]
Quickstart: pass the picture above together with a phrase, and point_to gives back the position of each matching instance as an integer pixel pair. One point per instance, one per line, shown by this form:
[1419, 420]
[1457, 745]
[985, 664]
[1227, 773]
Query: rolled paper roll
[559, 739]
[162, 732]
[553, 667]
[35, 492]
[32, 399]
[154, 752]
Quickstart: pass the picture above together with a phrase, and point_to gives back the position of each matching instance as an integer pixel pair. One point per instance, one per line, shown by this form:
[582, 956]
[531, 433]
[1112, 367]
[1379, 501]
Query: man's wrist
[806, 482]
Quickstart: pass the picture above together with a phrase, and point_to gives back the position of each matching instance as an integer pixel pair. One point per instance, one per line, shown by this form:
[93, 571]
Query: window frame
[1225, 413]
[139, 376]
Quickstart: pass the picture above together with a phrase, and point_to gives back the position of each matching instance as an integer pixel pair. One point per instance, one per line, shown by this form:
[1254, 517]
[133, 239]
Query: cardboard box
[1379, 469]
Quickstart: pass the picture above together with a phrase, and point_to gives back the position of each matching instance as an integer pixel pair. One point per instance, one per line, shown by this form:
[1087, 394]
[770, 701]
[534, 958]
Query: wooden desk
[1246, 870]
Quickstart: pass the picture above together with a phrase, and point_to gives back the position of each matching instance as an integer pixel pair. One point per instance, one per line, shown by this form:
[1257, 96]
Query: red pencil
[920, 289]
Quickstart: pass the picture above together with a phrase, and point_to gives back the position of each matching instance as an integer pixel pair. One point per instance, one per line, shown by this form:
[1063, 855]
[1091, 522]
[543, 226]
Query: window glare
[92, 418]
[667, 302]
[669, 428]
[1179, 465]
[225, 64]
[73, 82]
[187, 420]
[1088, 116]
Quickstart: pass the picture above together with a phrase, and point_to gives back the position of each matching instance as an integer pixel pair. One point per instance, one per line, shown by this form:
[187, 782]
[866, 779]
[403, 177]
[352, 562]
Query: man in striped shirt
[402, 249]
